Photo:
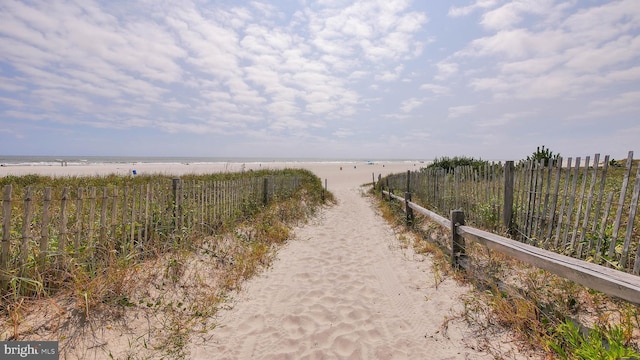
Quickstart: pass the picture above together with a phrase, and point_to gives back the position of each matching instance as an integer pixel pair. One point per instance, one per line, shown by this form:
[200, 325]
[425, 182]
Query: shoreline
[341, 172]
[10, 160]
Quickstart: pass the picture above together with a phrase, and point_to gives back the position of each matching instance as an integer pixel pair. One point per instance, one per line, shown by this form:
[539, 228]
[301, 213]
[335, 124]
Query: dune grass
[546, 314]
[175, 288]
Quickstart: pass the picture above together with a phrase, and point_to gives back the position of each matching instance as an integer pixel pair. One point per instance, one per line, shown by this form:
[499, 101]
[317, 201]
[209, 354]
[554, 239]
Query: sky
[373, 79]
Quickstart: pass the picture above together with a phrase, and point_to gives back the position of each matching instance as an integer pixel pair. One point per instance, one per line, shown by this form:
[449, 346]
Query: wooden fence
[584, 209]
[43, 226]
[612, 282]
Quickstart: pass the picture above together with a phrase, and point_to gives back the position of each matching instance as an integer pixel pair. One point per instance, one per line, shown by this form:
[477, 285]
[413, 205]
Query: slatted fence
[45, 226]
[612, 282]
[583, 207]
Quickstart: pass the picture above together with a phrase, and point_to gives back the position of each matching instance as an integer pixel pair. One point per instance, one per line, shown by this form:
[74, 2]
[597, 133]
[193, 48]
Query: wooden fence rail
[577, 208]
[609, 281]
[44, 226]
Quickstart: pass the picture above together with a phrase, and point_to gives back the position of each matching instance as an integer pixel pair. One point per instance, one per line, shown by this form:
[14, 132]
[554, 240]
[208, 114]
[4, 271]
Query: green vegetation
[536, 307]
[94, 222]
[598, 343]
[450, 164]
[177, 277]
[540, 309]
[547, 157]
[615, 163]
[576, 212]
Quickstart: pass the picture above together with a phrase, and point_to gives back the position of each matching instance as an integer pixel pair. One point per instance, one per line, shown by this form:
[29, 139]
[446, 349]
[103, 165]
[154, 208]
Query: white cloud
[504, 119]
[417, 134]
[343, 133]
[625, 75]
[456, 11]
[23, 115]
[311, 72]
[518, 44]
[390, 75]
[358, 74]
[436, 89]
[12, 102]
[532, 66]
[563, 57]
[212, 48]
[446, 70]
[512, 13]
[607, 21]
[395, 116]
[241, 63]
[10, 85]
[626, 102]
[617, 51]
[411, 104]
[459, 111]
[379, 30]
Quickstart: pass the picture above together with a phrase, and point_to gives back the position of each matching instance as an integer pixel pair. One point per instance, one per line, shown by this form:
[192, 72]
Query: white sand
[344, 289]
[354, 171]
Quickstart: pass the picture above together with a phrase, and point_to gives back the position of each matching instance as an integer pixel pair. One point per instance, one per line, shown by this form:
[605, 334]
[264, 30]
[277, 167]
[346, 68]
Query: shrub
[545, 155]
[449, 164]
[571, 343]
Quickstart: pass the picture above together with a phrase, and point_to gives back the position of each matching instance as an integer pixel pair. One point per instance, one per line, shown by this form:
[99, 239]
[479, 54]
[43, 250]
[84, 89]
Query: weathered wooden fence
[584, 209]
[42, 226]
[612, 282]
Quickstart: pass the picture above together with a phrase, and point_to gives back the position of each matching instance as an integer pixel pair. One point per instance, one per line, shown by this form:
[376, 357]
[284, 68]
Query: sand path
[344, 288]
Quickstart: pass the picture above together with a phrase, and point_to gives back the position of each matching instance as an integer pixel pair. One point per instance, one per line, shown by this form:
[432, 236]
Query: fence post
[64, 230]
[457, 241]
[408, 180]
[44, 232]
[507, 215]
[408, 209]
[79, 217]
[265, 191]
[6, 236]
[26, 229]
[373, 179]
[388, 188]
[324, 190]
[407, 200]
[177, 203]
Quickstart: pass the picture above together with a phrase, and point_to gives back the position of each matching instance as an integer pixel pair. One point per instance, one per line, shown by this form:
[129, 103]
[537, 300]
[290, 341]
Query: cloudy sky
[326, 78]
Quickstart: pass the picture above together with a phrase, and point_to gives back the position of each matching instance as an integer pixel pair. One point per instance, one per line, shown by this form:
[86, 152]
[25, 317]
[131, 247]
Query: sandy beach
[337, 171]
[343, 288]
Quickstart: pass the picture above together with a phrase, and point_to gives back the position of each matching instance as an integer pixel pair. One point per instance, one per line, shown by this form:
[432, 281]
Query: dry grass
[510, 297]
[151, 308]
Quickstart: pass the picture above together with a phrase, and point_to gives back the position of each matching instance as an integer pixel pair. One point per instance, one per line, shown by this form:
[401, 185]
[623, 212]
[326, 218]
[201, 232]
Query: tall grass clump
[543, 155]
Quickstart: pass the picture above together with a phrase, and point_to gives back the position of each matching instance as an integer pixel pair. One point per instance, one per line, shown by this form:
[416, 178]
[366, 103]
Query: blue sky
[327, 78]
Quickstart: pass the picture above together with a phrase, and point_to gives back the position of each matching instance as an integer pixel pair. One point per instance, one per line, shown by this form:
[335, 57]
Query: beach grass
[176, 286]
[540, 310]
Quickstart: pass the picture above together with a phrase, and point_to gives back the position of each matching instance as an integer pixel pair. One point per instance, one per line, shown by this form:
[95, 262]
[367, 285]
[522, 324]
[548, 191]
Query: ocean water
[6, 160]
